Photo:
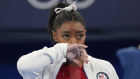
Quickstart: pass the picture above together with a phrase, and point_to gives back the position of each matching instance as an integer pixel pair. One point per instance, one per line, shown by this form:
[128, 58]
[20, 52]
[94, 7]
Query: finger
[84, 58]
[82, 46]
[77, 62]
[70, 56]
[79, 51]
[85, 53]
[78, 48]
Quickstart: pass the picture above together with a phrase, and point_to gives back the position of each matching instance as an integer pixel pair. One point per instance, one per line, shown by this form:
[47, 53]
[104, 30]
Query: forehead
[71, 26]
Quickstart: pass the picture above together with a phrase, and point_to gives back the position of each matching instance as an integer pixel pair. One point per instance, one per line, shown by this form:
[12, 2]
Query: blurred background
[111, 24]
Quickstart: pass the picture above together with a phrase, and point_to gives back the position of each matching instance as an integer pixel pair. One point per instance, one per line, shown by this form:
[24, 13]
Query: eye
[66, 36]
[80, 36]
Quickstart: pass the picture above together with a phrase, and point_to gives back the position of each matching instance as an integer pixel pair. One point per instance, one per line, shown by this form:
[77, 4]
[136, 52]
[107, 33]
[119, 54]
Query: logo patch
[102, 75]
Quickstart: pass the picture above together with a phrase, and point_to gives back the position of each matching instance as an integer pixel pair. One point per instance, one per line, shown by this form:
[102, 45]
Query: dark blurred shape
[129, 59]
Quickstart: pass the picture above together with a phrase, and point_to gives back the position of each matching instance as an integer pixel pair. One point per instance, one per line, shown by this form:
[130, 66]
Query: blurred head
[66, 26]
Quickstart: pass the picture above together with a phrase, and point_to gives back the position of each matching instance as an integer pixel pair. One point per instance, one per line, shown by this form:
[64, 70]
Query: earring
[55, 40]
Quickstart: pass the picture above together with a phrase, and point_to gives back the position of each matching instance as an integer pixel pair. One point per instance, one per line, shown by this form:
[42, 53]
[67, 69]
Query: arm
[30, 65]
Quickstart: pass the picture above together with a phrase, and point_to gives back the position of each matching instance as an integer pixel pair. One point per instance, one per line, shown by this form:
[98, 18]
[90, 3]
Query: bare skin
[73, 33]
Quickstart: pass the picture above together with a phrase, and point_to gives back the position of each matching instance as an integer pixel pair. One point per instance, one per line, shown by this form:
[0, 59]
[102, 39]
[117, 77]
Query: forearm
[37, 60]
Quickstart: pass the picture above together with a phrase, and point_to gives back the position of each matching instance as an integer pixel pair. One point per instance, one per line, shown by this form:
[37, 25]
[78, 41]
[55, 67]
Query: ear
[54, 35]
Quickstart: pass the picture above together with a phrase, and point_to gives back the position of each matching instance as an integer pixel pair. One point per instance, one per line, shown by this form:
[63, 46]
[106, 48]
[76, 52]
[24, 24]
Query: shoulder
[98, 61]
[101, 64]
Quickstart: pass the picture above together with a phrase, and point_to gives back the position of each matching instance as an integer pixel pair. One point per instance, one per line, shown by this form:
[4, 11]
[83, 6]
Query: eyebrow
[65, 31]
[70, 32]
[80, 31]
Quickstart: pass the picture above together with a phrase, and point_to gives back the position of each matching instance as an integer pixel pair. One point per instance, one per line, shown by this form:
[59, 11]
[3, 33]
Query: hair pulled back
[56, 20]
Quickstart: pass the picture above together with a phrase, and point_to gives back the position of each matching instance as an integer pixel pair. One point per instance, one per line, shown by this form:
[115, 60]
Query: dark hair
[56, 20]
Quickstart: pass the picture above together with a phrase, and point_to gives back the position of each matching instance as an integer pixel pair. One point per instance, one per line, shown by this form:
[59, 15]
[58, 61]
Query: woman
[67, 59]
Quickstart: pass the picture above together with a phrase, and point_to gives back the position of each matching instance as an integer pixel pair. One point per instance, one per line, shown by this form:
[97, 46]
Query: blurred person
[129, 60]
[68, 58]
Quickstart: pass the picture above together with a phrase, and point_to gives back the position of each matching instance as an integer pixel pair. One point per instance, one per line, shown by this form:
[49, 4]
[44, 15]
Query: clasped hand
[75, 51]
